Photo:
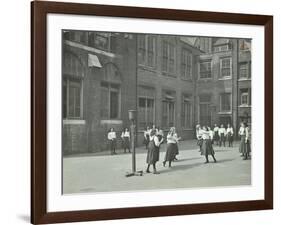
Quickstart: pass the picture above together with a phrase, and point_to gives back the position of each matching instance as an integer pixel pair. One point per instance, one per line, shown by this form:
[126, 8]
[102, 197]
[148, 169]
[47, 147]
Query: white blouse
[229, 130]
[125, 134]
[156, 140]
[222, 131]
[111, 135]
[172, 138]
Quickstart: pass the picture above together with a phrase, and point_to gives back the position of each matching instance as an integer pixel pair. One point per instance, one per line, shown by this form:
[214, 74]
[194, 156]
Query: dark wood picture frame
[39, 11]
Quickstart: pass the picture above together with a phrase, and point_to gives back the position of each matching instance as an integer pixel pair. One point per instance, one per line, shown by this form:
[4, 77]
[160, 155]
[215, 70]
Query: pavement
[102, 172]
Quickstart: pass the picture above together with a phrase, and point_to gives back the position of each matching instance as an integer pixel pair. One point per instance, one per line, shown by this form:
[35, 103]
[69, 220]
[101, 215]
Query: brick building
[170, 80]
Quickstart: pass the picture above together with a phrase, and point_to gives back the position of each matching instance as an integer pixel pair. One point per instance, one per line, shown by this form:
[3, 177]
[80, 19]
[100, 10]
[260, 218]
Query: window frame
[66, 82]
[230, 102]
[185, 54]
[211, 70]
[169, 54]
[109, 89]
[230, 67]
[184, 113]
[146, 110]
[145, 49]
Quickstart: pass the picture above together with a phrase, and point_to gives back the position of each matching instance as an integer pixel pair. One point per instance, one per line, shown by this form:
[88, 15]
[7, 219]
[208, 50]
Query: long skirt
[126, 143]
[229, 138]
[112, 144]
[207, 148]
[152, 153]
[216, 136]
[171, 151]
[244, 148]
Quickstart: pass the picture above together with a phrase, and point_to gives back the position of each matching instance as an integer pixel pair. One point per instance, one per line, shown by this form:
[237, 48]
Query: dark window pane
[114, 105]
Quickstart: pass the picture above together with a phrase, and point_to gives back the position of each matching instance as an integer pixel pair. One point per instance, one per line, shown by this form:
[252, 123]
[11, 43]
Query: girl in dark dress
[207, 148]
[244, 147]
[172, 148]
[126, 140]
[153, 151]
[111, 136]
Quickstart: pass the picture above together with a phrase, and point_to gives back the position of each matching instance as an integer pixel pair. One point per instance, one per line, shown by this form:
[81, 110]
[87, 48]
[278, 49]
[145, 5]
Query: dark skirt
[216, 136]
[146, 140]
[229, 137]
[171, 151]
[244, 148]
[126, 143]
[112, 144]
[152, 153]
[207, 148]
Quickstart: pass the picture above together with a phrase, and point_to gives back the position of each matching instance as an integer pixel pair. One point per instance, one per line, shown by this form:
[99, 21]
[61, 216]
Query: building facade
[170, 81]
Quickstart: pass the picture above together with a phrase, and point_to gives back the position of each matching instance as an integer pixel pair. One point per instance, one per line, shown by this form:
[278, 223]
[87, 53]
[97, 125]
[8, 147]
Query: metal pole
[133, 147]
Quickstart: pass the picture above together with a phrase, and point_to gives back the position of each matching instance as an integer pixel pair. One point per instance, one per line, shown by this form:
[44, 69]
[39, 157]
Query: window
[186, 64]
[145, 112]
[147, 50]
[72, 98]
[204, 110]
[225, 102]
[244, 70]
[225, 67]
[245, 99]
[186, 115]
[168, 113]
[110, 101]
[168, 57]
[205, 70]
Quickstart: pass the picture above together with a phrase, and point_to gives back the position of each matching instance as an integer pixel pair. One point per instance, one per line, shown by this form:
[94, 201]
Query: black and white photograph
[152, 112]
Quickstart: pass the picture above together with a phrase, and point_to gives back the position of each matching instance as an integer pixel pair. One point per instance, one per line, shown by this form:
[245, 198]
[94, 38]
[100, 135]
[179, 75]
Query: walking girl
[153, 151]
[207, 148]
[229, 135]
[111, 136]
[172, 147]
[126, 140]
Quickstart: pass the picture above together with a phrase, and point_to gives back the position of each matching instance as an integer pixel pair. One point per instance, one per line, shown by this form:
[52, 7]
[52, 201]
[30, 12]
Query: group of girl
[222, 134]
[154, 138]
[125, 136]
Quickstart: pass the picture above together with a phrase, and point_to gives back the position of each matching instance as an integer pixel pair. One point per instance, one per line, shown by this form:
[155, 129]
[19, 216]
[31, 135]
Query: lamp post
[132, 118]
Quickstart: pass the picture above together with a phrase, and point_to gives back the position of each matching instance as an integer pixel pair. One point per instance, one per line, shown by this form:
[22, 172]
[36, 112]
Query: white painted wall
[15, 110]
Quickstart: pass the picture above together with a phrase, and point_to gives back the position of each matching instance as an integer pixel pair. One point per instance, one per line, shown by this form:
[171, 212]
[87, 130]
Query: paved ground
[102, 172]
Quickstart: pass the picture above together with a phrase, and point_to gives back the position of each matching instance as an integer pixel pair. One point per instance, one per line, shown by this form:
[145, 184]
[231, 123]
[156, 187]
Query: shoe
[206, 162]
[147, 171]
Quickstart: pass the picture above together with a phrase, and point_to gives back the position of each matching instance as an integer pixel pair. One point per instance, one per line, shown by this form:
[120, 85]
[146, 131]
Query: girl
[111, 136]
[126, 139]
[153, 151]
[171, 150]
[244, 147]
[199, 136]
[222, 133]
[229, 135]
[146, 137]
[207, 148]
[216, 134]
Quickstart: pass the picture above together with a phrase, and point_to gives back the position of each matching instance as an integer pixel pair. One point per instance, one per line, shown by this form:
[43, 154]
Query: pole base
[137, 173]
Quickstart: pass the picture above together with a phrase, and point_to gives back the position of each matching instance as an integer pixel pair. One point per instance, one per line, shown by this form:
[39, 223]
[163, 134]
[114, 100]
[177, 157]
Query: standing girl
[153, 151]
[199, 136]
[111, 136]
[207, 148]
[146, 135]
[222, 133]
[216, 134]
[171, 150]
[229, 135]
[126, 139]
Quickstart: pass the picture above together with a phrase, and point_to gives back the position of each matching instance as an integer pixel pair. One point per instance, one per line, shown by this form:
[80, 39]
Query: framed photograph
[144, 112]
